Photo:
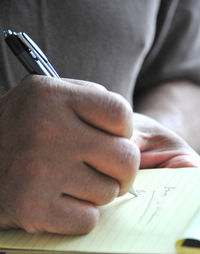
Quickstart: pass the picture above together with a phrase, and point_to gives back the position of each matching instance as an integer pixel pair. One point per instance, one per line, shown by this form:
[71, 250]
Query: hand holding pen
[33, 59]
[60, 143]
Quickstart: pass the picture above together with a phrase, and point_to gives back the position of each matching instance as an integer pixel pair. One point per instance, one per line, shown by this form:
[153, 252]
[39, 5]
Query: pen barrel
[25, 56]
[29, 54]
[31, 63]
[15, 44]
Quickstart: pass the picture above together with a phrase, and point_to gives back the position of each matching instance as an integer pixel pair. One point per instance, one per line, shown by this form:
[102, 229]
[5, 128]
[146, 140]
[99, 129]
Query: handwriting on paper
[158, 200]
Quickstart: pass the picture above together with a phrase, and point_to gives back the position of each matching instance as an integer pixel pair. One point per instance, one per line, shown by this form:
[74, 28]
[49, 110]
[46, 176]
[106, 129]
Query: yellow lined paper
[167, 203]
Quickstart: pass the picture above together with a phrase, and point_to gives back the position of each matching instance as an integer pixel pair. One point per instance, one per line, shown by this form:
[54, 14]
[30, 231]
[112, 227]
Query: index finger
[102, 109]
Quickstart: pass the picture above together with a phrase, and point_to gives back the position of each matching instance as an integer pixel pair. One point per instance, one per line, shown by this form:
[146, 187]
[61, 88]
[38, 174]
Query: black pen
[29, 54]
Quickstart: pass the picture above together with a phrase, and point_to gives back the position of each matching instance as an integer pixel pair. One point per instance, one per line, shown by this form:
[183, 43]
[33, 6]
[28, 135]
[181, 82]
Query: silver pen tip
[6, 33]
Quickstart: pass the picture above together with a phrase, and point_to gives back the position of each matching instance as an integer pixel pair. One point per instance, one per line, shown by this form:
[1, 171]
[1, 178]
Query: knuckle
[90, 219]
[122, 114]
[130, 163]
[37, 87]
[101, 87]
[30, 168]
[73, 219]
[37, 171]
[109, 192]
[30, 229]
[32, 82]
[87, 220]
[94, 85]
[130, 159]
[89, 84]
[44, 131]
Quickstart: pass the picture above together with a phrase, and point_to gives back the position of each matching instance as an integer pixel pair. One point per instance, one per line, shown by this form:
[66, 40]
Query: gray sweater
[125, 45]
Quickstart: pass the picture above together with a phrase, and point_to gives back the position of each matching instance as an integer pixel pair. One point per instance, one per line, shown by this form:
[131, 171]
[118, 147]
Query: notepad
[163, 218]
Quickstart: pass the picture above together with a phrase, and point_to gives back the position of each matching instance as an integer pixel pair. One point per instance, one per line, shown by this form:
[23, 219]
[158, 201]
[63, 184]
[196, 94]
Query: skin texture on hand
[160, 147]
[65, 148]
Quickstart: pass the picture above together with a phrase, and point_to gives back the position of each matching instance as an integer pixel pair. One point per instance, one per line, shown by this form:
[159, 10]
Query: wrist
[166, 105]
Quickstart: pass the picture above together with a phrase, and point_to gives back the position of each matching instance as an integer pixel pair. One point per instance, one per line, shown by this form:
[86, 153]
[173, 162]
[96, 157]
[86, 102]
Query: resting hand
[160, 147]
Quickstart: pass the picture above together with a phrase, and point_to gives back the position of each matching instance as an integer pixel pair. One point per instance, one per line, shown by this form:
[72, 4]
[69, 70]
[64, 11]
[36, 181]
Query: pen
[32, 58]
[29, 54]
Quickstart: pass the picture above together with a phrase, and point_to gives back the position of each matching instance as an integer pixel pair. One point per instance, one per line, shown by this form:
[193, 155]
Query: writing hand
[65, 149]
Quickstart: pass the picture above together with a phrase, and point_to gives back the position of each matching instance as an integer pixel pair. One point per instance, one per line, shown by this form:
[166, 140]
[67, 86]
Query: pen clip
[31, 45]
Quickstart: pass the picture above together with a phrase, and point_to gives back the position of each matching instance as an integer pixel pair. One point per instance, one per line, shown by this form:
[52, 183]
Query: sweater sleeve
[175, 54]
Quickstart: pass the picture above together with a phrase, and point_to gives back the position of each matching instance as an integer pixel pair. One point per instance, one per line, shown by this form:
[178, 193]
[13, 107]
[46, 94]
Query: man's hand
[161, 147]
[64, 149]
